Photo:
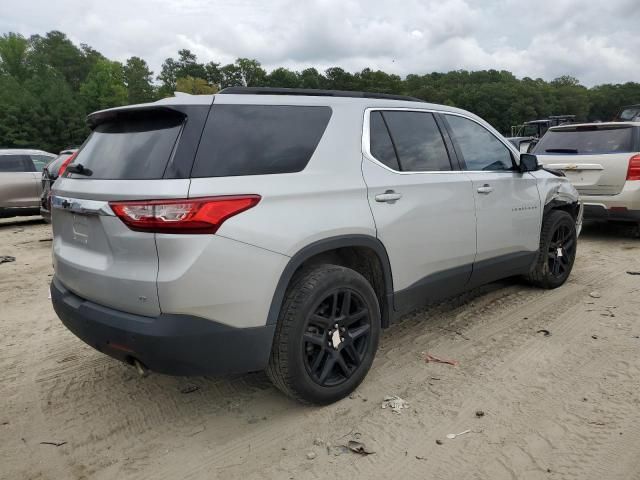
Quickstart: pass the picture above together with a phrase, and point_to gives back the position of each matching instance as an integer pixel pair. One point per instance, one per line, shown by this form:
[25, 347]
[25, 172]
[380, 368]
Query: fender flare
[325, 245]
[557, 203]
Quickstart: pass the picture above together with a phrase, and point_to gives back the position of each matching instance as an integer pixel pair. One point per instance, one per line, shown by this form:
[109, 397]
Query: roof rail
[314, 93]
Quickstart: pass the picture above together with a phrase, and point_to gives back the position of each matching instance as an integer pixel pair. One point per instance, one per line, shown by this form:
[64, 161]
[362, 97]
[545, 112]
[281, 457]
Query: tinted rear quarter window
[13, 163]
[418, 141]
[259, 139]
[380, 143]
[135, 147]
[586, 140]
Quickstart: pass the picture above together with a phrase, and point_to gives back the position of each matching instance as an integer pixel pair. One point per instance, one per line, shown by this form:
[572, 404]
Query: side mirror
[528, 163]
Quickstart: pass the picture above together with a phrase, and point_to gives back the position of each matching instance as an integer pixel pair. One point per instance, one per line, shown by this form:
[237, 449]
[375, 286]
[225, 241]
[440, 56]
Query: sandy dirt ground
[562, 406]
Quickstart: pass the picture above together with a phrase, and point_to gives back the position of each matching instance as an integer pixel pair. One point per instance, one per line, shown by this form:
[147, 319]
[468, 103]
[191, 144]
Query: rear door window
[134, 146]
[259, 139]
[14, 163]
[586, 140]
[417, 140]
[480, 149]
[380, 144]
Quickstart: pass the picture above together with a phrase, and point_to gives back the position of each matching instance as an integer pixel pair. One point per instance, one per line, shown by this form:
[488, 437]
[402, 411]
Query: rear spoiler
[96, 118]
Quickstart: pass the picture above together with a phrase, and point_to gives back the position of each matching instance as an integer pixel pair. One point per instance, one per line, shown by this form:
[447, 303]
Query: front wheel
[558, 245]
[327, 335]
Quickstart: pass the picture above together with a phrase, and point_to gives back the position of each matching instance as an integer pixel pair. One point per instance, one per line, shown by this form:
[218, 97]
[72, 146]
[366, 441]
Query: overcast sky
[597, 41]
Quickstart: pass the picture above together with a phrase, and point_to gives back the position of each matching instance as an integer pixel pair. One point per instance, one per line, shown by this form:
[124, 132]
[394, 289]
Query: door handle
[389, 196]
[485, 189]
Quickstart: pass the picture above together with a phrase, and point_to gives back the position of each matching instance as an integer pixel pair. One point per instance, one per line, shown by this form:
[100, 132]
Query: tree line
[48, 85]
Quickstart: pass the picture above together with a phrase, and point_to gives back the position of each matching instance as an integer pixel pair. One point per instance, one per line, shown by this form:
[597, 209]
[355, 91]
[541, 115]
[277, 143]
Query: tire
[557, 253]
[312, 361]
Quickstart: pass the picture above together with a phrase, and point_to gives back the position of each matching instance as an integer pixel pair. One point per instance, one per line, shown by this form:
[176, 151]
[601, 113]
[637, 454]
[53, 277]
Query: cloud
[594, 41]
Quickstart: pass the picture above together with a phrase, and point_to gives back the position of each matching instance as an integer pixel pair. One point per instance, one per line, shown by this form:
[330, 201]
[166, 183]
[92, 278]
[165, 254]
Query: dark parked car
[49, 175]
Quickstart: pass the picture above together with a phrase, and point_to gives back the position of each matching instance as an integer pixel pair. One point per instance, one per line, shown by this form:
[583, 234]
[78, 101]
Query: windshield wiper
[561, 150]
[79, 169]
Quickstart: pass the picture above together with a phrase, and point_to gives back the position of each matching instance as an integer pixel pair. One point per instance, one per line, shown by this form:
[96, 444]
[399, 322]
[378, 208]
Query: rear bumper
[623, 207]
[600, 212]
[170, 344]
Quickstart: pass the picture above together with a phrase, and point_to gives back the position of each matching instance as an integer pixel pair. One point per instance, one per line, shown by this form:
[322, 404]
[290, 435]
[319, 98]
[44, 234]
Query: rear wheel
[558, 245]
[327, 335]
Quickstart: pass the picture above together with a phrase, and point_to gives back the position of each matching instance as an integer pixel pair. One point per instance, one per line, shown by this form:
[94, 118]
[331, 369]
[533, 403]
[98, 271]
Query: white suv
[602, 160]
[282, 229]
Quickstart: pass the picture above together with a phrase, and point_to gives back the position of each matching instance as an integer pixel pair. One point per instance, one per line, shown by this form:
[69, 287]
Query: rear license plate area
[80, 229]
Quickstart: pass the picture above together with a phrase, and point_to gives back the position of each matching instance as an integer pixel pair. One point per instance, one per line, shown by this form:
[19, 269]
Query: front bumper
[170, 344]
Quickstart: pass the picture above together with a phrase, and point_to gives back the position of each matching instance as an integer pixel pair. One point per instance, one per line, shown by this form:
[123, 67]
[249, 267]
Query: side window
[13, 163]
[418, 141]
[480, 149]
[40, 161]
[380, 143]
[259, 139]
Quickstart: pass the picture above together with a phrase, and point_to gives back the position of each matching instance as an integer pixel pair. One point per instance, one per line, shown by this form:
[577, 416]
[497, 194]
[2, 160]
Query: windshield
[630, 114]
[586, 140]
[530, 131]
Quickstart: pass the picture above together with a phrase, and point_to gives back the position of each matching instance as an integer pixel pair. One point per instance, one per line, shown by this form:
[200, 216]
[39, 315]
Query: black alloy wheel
[557, 253]
[336, 337]
[562, 250]
[326, 336]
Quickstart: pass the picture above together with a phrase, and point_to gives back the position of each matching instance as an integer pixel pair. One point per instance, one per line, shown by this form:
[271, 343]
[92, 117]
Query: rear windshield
[135, 147]
[586, 140]
[259, 139]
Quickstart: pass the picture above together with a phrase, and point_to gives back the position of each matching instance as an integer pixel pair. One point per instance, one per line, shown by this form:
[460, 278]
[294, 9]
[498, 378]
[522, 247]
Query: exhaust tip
[140, 368]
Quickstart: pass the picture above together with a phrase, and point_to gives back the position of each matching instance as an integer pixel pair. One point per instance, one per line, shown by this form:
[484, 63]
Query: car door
[508, 209]
[423, 208]
[18, 183]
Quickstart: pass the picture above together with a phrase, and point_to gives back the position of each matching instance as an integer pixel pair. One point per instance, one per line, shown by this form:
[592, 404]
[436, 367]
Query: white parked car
[602, 160]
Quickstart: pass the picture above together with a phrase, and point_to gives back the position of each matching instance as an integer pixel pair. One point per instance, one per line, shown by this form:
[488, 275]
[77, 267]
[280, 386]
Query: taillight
[66, 163]
[191, 215]
[633, 173]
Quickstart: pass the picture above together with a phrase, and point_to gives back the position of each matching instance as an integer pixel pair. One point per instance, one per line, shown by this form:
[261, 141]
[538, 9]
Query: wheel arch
[571, 207]
[329, 249]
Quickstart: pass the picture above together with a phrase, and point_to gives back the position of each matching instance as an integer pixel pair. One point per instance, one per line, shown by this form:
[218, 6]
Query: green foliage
[253, 75]
[104, 86]
[283, 78]
[13, 55]
[194, 86]
[137, 79]
[48, 85]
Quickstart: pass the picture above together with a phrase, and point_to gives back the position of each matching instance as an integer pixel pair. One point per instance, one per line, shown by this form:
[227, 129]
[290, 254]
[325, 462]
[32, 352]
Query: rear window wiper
[561, 150]
[79, 169]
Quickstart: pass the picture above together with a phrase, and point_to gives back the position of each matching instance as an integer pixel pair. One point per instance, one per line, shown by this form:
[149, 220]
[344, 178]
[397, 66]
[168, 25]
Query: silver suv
[282, 229]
